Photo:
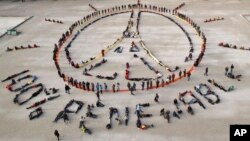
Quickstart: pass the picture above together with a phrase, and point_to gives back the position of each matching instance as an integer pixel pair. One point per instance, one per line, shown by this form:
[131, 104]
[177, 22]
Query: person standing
[87, 84]
[138, 110]
[93, 86]
[83, 85]
[185, 72]
[180, 73]
[105, 86]
[129, 86]
[118, 87]
[188, 75]
[226, 70]
[134, 86]
[156, 98]
[131, 90]
[127, 65]
[206, 71]
[173, 77]
[231, 68]
[103, 52]
[157, 83]
[67, 89]
[100, 88]
[169, 78]
[81, 122]
[97, 87]
[147, 84]
[162, 82]
[142, 85]
[113, 86]
[56, 133]
[98, 95]
[190, 56]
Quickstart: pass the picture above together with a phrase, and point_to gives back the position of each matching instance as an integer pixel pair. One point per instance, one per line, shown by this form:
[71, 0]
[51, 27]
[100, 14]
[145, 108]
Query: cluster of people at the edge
[53, 21]
[227, 45]
[21, 47]
[213, 19]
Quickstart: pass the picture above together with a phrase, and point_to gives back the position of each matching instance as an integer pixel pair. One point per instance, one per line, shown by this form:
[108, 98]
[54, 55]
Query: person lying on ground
[81, 122]
[99, 104]
[65, 118]
[143, 126]
[119, 120]
[145, 115]
[36, 113]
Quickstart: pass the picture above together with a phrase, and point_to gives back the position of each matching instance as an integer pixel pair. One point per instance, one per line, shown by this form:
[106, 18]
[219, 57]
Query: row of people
[213, 82]
[226, 45]
[186, 33]
[31, 79]
[93, 7]
[53, 21]
[179, 6]
[189, 57]
[214, 19]
[128, 33]
[200, 33]
[148, 83]
[38, 103]
[21, 47]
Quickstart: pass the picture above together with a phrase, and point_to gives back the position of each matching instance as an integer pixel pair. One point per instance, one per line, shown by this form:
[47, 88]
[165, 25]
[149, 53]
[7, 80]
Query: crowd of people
[64, 113]
[114, 113]
[27, 87]
[80, 22]
[127, 72]
[32, 79]
[117, 10]
[230, 73]
[187, 104]
[140, 114]
[189, 101]
[87, 71]
[198, 88]
[99, 88]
